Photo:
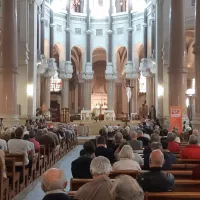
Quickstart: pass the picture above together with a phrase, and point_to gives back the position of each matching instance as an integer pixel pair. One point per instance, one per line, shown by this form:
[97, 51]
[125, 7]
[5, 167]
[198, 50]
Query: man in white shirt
[18, 145]
[3, 145]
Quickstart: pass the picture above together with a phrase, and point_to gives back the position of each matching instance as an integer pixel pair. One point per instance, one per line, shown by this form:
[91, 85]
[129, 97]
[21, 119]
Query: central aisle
[34, 191]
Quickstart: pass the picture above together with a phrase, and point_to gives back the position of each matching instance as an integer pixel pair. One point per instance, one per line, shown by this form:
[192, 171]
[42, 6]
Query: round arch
[77, 58]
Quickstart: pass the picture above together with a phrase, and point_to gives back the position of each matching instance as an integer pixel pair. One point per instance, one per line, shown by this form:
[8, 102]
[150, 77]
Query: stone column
[46, 96]
[76, 99]
[111, 94]
[9, 67]
[87, 94]
[177, 70]
[196, 118]
[23, 56]
[65, 93]
[32, 70]
[65, 74]
[50, 71]
[150, 91]
[159, 58]
[134, 99]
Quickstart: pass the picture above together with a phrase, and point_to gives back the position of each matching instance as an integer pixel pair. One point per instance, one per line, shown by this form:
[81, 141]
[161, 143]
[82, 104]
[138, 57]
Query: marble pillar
[87, 94]
[150, 91]
[177, 70]
[159, 59]
[23, 56]
[134, 98]
[9, 67]
[111, 94]
[38, 91]
[196, 118]
[46, 95]
[65, 93]
[76, 99]
[32, 70]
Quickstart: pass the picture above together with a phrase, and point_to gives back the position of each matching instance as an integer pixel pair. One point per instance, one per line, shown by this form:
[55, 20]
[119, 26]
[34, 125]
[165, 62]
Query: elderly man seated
[99, 188]
[156, 180]
[129, 191]
[191, 151]
[134, 143]
[53, 184]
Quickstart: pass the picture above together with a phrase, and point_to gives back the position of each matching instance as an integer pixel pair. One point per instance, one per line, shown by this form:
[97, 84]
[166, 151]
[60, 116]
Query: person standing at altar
[144, 110]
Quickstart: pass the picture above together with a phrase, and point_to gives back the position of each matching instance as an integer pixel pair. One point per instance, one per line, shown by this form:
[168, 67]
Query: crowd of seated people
[135, 148]
[27, 141]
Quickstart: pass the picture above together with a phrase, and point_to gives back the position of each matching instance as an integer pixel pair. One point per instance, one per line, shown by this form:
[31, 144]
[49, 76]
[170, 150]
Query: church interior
[99, 92]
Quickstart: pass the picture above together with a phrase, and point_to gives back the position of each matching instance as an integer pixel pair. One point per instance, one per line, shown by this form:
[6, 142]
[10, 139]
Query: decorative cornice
[78, 19]
[120, 18]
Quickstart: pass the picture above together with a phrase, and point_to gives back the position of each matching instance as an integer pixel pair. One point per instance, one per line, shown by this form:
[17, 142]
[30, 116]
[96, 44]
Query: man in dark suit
[134, 143]
[156, 180]
[81, 166]
[53, 184]
[102, 149]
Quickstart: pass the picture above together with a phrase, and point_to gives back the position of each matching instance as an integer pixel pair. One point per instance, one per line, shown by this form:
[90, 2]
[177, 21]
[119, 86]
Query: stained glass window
[56, 83]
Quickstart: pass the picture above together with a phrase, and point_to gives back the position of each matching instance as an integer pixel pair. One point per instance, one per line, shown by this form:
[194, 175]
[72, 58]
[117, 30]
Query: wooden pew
[20, 162]
[170, 196]
[187, 186]
[180, 185]
[14, 177]
[163, 195]
[183, 166]
[189, 161]
[178, 174]
[4, 187]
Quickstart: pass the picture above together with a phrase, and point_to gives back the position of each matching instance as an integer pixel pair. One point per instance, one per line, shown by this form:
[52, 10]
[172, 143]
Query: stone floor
[34, 192]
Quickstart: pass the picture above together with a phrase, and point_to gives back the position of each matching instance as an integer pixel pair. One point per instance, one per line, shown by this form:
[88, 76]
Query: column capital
[147, 67]
[52, 68]
[131, 71]
[66, 72]
[88, 32]
[88, 75]
[42, 64]
[159, 1]
[109, 73]
[110, 32]
[38, 2]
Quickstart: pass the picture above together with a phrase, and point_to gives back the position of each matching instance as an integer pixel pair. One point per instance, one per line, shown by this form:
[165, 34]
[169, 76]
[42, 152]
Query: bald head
[156, 158]
[53, 179]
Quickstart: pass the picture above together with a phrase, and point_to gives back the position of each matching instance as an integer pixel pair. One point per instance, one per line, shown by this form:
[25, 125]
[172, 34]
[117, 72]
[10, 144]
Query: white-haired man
[156, 180]
[99, 188]
[53, 184]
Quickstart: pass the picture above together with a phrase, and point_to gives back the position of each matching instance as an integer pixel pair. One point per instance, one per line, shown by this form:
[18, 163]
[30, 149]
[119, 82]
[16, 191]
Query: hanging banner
[175, 118]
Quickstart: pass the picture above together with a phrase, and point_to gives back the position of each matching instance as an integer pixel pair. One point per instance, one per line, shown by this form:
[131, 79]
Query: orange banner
[175, 118]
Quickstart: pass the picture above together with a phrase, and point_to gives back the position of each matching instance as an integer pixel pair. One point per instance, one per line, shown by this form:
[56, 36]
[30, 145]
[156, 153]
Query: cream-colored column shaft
[23, 55]
[76, 99]
[46, 95]
[177, 70]
[196, 118]
[9, 68]
[150, 91]
[134, 99]
[159, 59]
[87, 94]
[111, 93]
[65, 93]
[38, 91]
[32, 70]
